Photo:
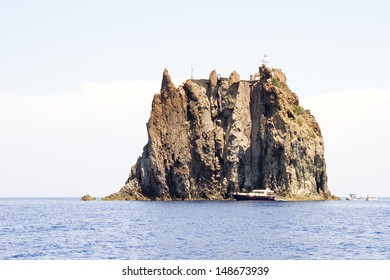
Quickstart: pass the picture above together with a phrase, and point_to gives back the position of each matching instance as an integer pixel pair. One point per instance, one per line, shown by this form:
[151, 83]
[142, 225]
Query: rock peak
[234, 77]
[167, 86]
[213, 78]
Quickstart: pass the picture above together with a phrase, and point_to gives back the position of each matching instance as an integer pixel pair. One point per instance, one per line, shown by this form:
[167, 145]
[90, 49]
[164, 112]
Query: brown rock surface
[87, 198]
[210, 138]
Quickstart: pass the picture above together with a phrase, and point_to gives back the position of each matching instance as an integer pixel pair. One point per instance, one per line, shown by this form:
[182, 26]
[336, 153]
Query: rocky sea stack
[209, 138]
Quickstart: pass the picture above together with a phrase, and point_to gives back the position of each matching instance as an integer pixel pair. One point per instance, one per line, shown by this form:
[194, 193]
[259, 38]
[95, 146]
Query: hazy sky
[77, 80]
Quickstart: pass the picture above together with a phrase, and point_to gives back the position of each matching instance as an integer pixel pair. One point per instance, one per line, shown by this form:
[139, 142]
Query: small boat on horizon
[353, 196]
[264, 194]
[371, 198]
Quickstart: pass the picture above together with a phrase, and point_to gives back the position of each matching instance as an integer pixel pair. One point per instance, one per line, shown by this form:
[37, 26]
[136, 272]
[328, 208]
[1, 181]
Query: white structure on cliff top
[264, 62]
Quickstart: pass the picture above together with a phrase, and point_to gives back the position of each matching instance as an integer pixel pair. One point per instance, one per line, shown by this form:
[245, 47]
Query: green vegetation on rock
[299, 110]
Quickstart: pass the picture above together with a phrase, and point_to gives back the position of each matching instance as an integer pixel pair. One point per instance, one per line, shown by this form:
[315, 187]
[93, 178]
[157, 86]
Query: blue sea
[67, 228]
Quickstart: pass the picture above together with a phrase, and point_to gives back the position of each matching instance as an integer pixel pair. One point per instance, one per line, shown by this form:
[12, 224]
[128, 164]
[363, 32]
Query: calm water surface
[66, 228]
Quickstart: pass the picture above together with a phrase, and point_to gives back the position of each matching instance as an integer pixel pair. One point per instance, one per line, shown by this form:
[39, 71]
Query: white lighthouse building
[264, 62]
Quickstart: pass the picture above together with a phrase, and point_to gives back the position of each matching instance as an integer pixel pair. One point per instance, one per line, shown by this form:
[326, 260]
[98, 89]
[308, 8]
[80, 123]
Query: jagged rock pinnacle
[167, 83]
[213, 78]
[234, 78]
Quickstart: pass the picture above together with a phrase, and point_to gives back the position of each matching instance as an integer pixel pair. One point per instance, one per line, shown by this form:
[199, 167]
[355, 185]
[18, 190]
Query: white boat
[266, 194]
[353, 196]
[371, 198]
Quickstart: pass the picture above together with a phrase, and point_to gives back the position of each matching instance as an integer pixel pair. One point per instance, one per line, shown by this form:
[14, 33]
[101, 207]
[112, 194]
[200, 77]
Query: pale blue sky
[72, 114]
[53, 45]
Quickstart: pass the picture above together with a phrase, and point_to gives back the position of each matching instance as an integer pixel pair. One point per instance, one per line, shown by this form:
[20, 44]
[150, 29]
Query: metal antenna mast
[192, 72]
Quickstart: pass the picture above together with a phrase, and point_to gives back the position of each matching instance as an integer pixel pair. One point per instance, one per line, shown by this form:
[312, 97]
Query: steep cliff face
[210, 138]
